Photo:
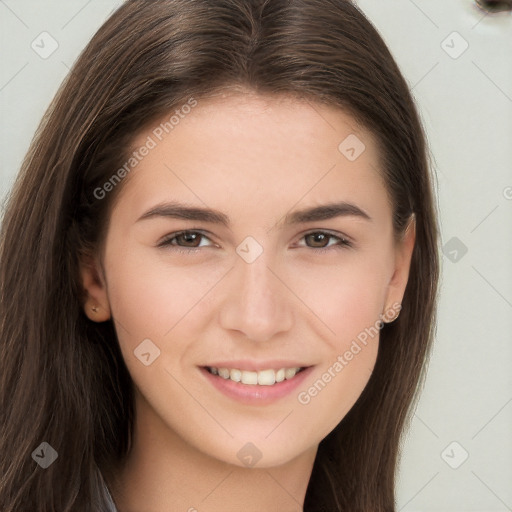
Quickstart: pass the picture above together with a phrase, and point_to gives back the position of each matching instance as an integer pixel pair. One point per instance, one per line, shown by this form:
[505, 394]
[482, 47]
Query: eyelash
[343, 242]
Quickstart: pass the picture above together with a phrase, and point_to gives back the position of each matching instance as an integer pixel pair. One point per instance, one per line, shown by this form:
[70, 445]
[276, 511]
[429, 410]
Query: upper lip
[246, 365]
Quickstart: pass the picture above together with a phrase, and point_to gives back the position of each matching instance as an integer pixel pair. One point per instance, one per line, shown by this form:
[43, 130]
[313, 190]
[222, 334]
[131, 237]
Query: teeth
[289, 373]
[224, 373]
[235, 375]
[266, 377]
[262, 378]
[250, 378]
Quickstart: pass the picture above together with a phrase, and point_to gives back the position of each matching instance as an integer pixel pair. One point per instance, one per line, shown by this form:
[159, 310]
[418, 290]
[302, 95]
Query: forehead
[240, 147]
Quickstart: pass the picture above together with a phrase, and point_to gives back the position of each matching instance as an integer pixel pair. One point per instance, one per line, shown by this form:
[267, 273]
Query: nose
[256, 301]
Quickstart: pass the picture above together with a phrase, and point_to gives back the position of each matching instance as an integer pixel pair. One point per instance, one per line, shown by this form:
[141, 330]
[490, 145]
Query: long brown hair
[63, 379]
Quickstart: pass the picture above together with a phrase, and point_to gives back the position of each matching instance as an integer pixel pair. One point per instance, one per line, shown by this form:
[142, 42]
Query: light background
[465, 99]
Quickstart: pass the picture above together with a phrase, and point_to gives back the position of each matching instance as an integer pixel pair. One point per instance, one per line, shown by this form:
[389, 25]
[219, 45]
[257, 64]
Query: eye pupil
[189, 237]
[318, 237]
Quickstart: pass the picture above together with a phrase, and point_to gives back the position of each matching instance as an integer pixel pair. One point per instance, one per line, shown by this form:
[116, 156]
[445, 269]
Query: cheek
[149, 300]
[335, 388]
[167, 306]
[347, 302]
[345, 298]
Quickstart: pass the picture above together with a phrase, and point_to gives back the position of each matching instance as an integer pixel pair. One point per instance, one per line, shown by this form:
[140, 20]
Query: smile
[252, 386]
[255, 378]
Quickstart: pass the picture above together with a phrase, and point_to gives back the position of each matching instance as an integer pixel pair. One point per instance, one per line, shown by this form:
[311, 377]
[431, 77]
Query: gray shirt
[111, 505]
[110, 501]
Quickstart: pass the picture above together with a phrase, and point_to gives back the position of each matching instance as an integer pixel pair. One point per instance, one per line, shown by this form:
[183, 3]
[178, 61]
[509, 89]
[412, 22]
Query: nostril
[495, 5]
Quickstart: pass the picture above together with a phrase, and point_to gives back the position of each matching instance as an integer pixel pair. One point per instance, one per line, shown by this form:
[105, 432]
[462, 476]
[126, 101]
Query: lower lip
[256, 394]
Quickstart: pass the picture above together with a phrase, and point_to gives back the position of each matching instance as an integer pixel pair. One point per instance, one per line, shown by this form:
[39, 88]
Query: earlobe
[96, 306]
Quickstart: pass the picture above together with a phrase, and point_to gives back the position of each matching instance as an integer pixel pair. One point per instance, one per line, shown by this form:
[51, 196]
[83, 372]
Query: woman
[257, 370]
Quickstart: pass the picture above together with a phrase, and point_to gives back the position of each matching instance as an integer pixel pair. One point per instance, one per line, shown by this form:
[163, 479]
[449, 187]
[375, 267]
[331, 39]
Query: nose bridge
[256, 280]
[256, 303]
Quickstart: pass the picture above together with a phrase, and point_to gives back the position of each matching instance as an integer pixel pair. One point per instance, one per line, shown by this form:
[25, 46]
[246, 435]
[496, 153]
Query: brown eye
[190, 238]
[186, 239]
[320, 241]
[319, 238]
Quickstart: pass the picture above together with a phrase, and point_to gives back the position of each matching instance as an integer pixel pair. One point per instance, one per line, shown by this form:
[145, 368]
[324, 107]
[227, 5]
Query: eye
[322, 236]
[187, 237]
[191, 240]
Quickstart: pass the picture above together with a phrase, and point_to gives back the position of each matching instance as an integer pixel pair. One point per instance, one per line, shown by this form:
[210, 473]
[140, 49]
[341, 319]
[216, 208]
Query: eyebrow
[328, 211]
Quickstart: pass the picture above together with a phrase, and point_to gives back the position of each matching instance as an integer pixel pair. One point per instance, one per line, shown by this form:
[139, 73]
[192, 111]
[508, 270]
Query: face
[257, 287]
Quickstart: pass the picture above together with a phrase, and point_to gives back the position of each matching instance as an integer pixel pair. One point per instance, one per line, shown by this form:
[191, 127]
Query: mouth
[267, 377]
[251, 386]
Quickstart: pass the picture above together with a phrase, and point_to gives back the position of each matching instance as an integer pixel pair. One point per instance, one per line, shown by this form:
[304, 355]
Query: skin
[255, 159]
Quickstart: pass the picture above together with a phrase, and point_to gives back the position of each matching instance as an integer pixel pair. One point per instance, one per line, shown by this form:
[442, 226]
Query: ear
[96, 306]
[403, 256]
